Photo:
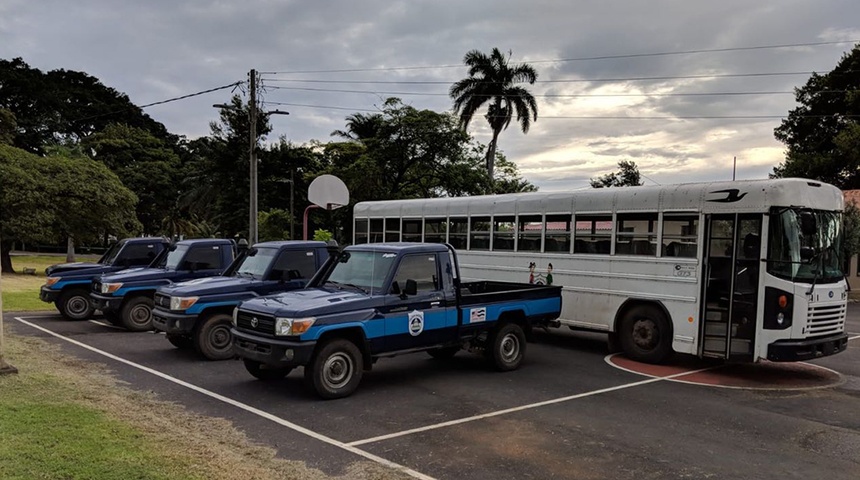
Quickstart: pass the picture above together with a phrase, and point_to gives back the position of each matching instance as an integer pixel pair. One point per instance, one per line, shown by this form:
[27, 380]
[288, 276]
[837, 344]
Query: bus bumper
[797, 350]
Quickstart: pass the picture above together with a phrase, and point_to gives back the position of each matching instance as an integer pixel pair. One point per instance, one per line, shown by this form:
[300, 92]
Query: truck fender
[353, 331]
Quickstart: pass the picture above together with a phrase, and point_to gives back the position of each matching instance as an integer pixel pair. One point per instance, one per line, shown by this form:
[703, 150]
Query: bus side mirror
[807, 253]
[808, 225]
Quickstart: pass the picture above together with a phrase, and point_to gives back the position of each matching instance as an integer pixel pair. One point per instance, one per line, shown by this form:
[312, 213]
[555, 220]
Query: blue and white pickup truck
[197, 313]
[67, 285]
[380, 300]
[125, 297]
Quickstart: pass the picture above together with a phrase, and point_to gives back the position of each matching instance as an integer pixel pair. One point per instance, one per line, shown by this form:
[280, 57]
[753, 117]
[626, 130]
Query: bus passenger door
[732, 266]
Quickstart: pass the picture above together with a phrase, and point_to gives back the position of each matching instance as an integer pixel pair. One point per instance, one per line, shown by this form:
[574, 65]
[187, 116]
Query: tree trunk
[5, 258]
[491, 159]
[70, 250]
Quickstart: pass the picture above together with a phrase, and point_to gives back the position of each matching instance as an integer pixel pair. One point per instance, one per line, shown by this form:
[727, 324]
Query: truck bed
[489, 291]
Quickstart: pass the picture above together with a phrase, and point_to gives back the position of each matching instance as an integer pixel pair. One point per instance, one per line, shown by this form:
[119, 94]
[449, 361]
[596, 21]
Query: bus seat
[641, 247]
[603, 246]
[751, 245]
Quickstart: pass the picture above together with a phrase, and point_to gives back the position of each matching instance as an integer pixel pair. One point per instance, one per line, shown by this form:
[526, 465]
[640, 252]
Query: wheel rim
[220, 338]
[646, 335]
[77, 306]
[510, 347]
[140, 315]
[337, 370]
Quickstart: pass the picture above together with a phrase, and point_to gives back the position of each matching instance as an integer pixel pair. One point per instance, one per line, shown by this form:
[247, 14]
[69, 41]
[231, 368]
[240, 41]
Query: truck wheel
[443, 353]
[262, 371]
[213, 339]
[508, 348]
[645, 335]
[181, 342]
[74, 304]
[137, 314]
[335, 370]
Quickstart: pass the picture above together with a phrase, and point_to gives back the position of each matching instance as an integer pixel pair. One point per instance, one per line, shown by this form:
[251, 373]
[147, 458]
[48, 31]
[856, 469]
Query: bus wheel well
[355, 335]
[643, 331]
[632, 303]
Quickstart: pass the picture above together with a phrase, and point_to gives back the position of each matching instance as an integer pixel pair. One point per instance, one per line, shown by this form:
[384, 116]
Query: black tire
[182, 342]
[335, 370]
[261, 371]
[444, 353]
[508, 348]
[113, 317]
[74, 304]
[645, 334]
[137, 314]
[212, 338]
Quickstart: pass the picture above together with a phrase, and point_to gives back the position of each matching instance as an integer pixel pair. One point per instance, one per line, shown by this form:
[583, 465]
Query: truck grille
[263, 324]
[826, 319]
[162, 301]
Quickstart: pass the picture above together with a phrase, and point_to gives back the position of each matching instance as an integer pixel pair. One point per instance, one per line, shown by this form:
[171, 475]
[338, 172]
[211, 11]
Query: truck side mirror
[411, 287]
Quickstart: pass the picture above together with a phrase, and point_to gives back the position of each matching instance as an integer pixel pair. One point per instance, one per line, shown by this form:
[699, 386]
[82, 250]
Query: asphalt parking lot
[567, 413]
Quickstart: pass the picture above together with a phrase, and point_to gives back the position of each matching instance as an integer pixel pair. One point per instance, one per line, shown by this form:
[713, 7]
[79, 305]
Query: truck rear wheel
[137, 314]
[508, 347]
[181, 342]
[74, 304]
[212, 338]
[645, 335]
[335, 370]
[261, 371]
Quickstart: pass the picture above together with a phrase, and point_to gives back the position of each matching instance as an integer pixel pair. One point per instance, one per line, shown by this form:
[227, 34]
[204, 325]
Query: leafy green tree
[627, 176]
[851, 229]
[147, 165]
[8, 126]
[274, 225]
[62, 194]
[65, 106]
[822, 134]
[493, 80]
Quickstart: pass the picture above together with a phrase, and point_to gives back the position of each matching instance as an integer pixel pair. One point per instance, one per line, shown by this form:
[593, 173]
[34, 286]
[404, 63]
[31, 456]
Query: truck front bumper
[105, 303]
[173, 323]
[276, 353]
[797, 350]
[48, 295]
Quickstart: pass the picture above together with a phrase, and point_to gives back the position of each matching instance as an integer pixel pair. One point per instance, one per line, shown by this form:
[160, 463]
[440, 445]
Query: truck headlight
[182, 303]
[293, 326]
[110, 287]
[51, 281]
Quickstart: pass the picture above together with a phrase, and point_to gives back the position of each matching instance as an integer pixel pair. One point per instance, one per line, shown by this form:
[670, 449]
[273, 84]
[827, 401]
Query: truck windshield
[110, 255]
[787, 239]
[171, 261]
[367, 270]
[256, 263]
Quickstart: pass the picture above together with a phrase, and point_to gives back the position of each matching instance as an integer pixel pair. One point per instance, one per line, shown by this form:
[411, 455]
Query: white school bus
[743, 271]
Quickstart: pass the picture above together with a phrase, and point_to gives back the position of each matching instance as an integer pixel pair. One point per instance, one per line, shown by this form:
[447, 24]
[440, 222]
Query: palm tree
[491, 79]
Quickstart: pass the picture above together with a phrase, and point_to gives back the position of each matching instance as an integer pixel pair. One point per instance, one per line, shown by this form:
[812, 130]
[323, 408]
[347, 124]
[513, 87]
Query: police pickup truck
[197, 313]
[125, 297]
[67, 285]
[380, 300]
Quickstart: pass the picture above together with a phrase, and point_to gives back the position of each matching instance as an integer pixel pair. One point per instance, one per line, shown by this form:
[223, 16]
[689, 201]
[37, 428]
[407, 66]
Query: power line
[577, 59]
[573, 80]
[551, 95]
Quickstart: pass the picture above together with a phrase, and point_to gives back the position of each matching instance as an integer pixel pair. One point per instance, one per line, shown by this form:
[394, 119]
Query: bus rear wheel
[645, 334]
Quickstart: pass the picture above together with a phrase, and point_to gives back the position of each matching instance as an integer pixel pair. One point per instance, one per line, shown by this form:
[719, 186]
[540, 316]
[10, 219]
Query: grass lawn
[21, 292]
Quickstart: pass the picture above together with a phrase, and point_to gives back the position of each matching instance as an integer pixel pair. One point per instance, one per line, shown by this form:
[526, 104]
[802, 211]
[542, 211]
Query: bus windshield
[787, 240]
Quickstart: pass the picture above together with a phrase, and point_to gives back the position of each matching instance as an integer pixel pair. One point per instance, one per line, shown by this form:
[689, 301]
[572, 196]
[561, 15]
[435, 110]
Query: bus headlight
[293, 326]
[778, 306]
[110, 287]
[182, 303]
[780, 318]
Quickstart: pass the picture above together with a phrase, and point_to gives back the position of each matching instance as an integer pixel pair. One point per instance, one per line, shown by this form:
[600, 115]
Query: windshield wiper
[341, 285]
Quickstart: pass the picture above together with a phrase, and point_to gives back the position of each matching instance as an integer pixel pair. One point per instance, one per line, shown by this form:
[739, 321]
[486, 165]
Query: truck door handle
[435, 304]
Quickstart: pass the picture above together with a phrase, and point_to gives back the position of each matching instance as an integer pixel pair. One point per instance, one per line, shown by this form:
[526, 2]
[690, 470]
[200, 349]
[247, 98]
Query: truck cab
[373, 301]
[197, 313]
[126, 297]
[67, 285]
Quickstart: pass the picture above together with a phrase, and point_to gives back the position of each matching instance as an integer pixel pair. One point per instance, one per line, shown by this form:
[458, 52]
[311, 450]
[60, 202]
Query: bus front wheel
[645, 334]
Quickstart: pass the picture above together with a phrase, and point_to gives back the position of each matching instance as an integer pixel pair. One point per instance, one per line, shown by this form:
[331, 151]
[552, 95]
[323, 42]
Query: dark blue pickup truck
[67, 285]
[380, 300]
[125, 297]
[197, 313]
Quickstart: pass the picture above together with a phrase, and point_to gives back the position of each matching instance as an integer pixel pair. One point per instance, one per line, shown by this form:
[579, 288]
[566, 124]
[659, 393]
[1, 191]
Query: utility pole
[292, 210]
[734, 167]
[252, 114]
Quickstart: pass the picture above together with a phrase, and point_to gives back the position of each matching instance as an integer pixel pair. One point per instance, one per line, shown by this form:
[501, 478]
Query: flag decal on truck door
[416, 323]
[477, 315]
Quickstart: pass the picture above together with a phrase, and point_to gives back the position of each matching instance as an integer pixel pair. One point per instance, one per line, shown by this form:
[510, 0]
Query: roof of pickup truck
[282, 243]
[416, 247]
[205, 240]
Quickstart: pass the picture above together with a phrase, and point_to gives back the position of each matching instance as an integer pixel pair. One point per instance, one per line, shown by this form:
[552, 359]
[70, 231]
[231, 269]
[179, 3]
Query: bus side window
[680, 236]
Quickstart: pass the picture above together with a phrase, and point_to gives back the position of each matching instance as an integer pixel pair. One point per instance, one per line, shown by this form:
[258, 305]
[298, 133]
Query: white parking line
[102, 324]
[855, 337]
[247, 408]
[522, 407]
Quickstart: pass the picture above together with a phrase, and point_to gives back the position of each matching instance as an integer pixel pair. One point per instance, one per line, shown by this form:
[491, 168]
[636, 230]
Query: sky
[328, 59]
